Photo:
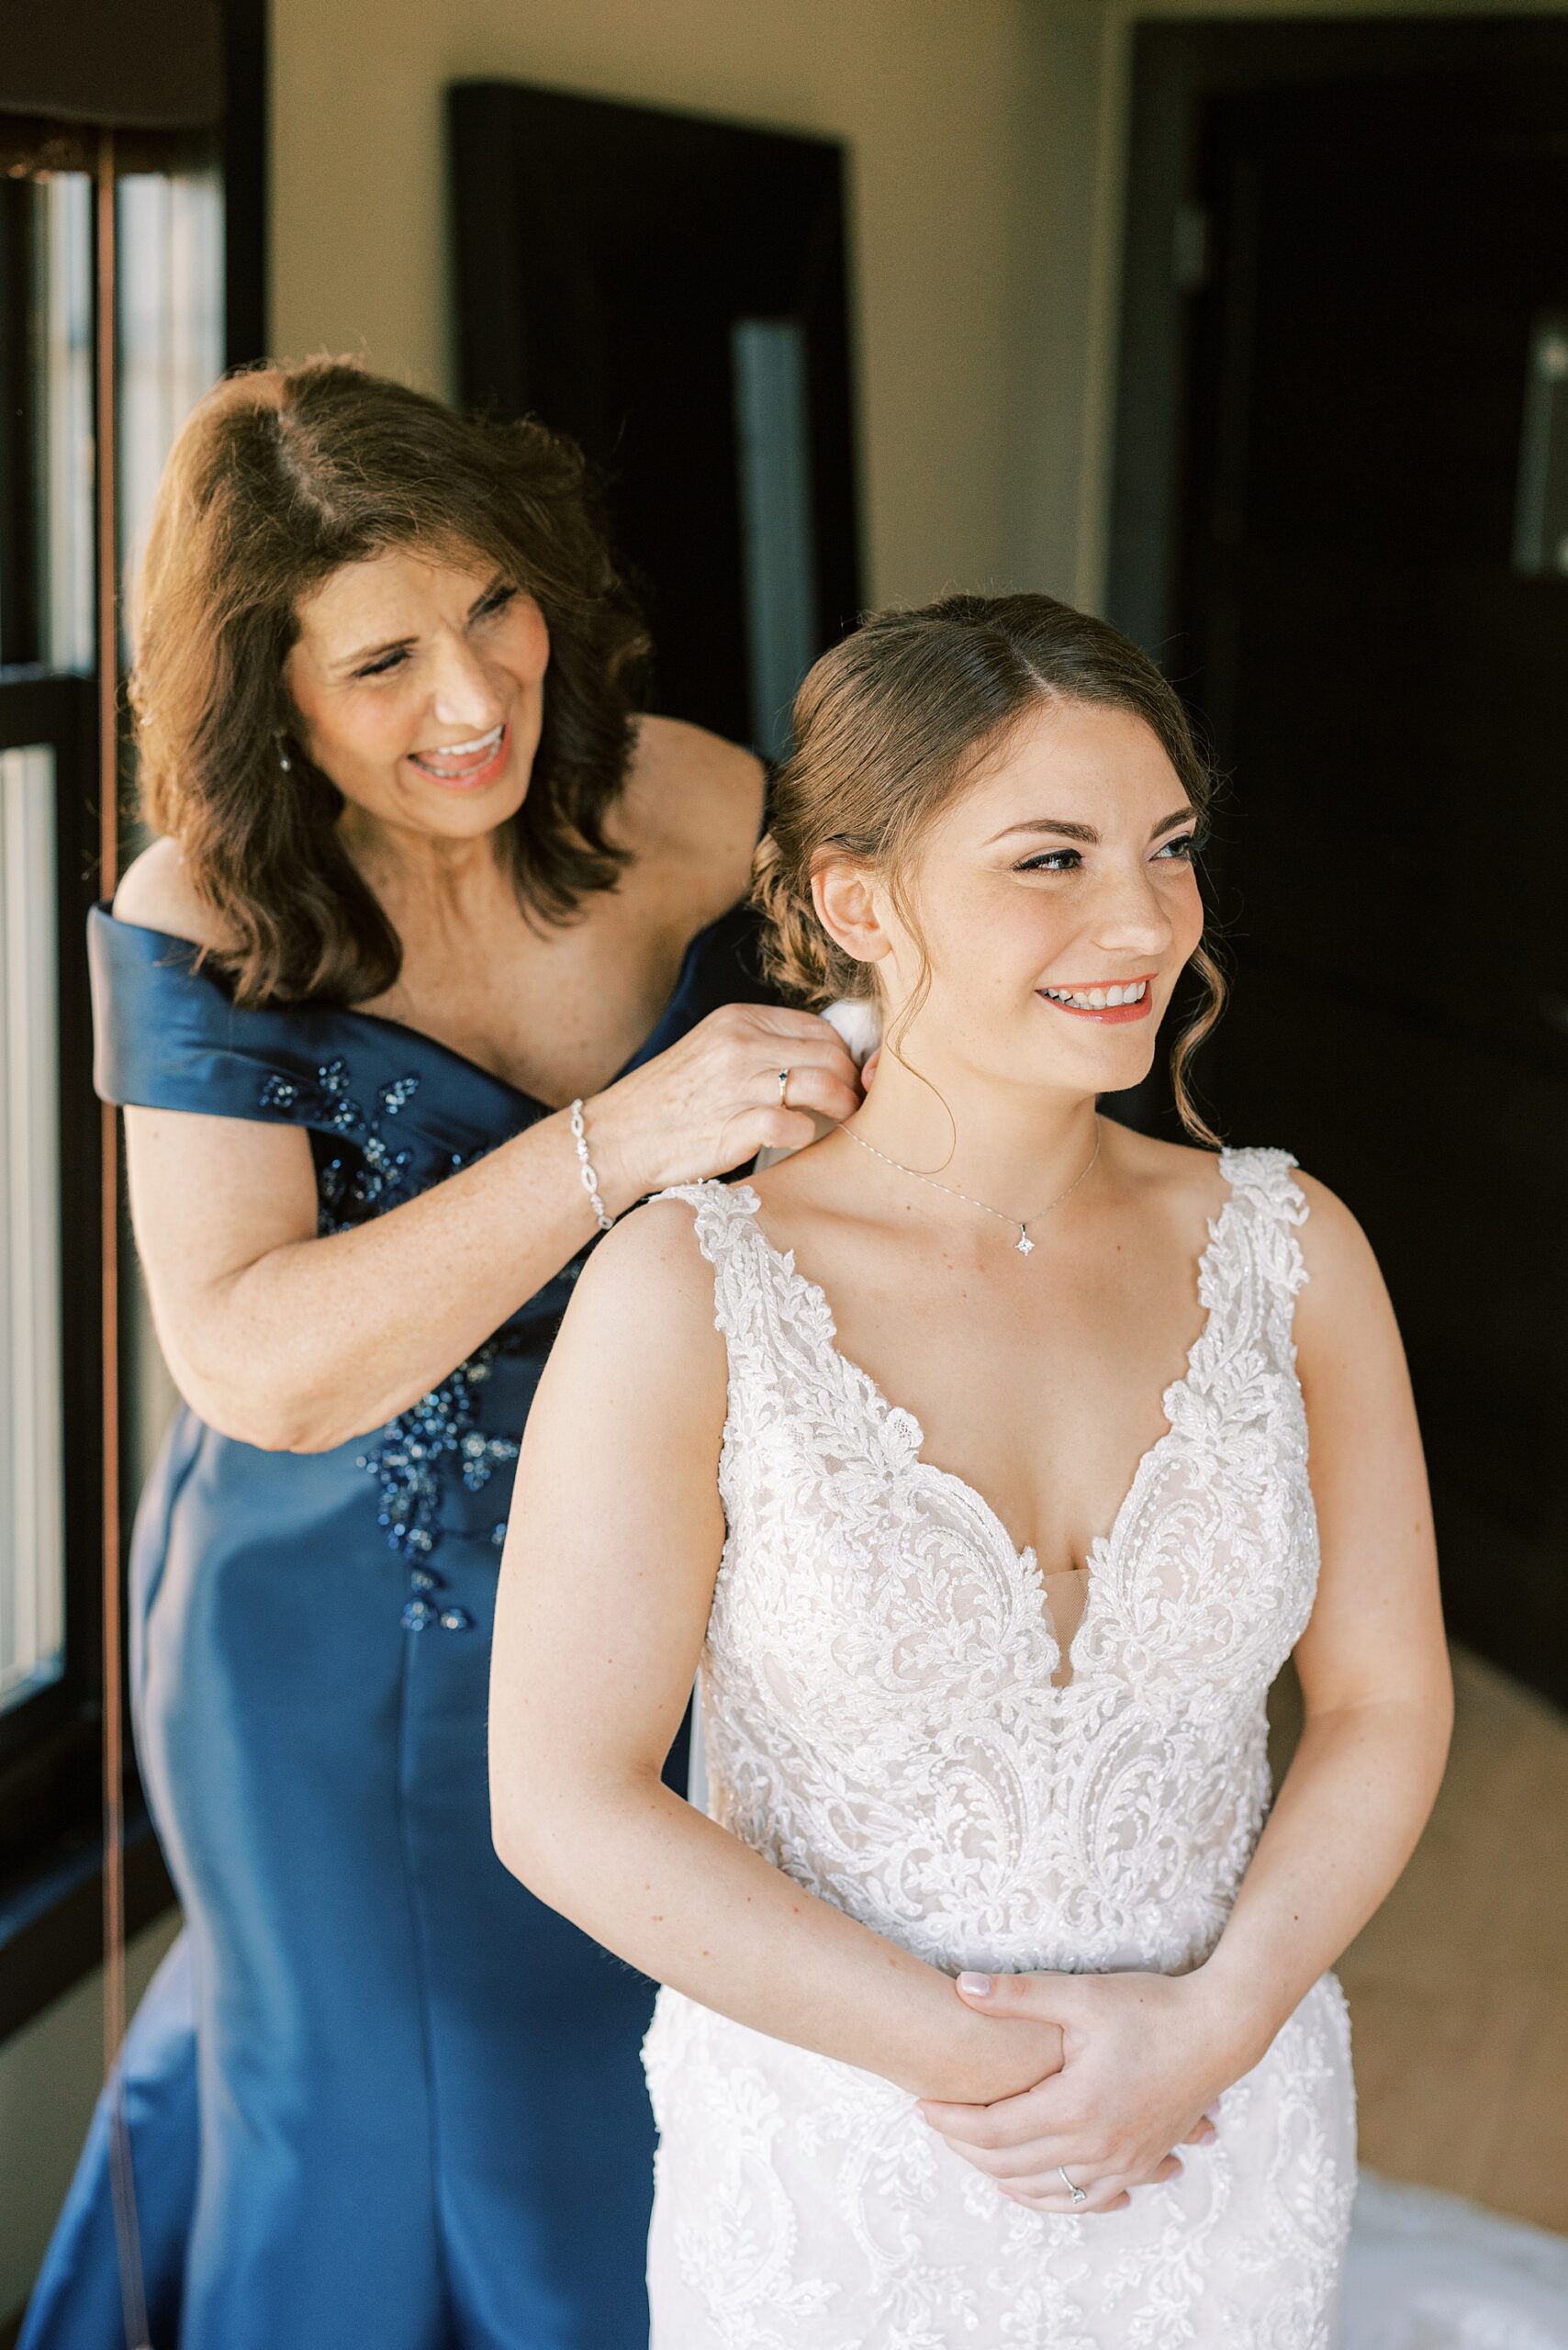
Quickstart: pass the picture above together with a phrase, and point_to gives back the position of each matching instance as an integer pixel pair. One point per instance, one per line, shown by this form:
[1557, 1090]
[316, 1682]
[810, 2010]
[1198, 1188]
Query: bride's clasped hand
[1144, 2057]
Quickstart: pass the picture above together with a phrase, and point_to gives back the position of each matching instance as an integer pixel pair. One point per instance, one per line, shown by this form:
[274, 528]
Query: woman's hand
[969, 2063]
[1144, 2058]
[712, 1101]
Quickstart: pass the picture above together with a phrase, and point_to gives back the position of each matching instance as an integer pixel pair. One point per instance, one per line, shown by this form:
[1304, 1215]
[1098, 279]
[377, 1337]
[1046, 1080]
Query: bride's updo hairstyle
[889, 727]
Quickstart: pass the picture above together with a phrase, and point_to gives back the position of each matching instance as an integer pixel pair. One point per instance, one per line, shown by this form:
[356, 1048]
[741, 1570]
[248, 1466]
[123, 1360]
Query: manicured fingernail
[978, 1986]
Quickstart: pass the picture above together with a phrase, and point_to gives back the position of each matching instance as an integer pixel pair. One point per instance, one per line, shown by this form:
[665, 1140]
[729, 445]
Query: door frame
[1176, 68]
[1179, 68]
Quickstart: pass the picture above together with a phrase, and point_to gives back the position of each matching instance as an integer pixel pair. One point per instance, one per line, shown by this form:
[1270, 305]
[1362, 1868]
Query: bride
[998, 2008]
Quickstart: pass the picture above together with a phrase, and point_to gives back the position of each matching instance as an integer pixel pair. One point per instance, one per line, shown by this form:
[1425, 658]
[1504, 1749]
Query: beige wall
[971, 172]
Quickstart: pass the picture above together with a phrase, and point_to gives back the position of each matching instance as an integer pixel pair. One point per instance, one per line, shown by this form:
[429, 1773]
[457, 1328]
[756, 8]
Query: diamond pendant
[1023, 1245]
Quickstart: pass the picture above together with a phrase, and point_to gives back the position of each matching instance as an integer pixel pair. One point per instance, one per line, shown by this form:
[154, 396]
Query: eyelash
[494, 603]
[1182, 850]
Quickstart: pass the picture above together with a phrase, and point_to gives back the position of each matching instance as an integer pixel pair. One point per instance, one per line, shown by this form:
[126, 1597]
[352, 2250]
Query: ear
[844, 894]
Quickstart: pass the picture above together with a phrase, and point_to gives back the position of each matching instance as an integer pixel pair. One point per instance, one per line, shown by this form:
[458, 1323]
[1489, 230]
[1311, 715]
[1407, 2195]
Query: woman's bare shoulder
[694, 805]
[156, 892]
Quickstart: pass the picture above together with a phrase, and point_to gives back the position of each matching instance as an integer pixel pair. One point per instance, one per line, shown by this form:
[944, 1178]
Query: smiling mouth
[465, 763]
[1121, 1001]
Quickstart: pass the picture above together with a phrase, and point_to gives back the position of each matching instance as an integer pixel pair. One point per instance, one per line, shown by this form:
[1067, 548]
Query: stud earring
[285, 762]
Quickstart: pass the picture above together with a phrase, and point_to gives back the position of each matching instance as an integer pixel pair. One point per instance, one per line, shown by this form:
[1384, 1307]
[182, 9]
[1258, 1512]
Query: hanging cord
[122, 2174]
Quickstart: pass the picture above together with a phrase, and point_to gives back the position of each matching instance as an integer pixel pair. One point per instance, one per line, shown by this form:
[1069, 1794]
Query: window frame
[50, 1769]
[57, 713]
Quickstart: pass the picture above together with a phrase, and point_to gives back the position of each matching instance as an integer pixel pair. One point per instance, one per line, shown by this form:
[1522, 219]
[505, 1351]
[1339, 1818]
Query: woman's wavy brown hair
[281, 475]
[888, 726]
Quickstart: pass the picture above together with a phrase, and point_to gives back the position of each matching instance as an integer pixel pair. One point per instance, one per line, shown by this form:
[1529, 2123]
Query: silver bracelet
[585, 1166]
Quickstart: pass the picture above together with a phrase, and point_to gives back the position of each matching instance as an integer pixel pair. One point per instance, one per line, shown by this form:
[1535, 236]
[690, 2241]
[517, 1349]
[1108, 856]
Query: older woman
[433, 968]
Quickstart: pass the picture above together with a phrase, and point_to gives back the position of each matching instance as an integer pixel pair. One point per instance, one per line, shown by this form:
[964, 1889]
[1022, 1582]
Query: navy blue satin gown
[379, 2096]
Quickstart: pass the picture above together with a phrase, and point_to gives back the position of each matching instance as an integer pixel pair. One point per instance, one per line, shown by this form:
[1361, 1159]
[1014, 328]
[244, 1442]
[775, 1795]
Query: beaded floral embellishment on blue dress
[407, 1459]
[409, 1451]
[348, 1191]
[411, 1454]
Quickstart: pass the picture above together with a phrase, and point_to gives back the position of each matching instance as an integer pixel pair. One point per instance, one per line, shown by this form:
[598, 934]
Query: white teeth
[460, 750]
[1099, 999]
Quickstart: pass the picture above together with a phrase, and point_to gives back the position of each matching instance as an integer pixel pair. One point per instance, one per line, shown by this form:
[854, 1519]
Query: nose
[1131, 917]
[463, 693]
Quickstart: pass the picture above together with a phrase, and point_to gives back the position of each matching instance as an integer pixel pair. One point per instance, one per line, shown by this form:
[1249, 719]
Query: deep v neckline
[1023, 1563]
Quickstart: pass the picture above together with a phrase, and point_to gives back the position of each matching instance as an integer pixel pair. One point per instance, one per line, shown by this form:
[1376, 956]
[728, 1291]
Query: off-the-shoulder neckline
[189, 949]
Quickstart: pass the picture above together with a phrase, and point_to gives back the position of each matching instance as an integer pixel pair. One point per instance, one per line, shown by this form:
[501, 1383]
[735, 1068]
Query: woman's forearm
[678, 1896]
[1350, 1810]
[319, 1341]
[299, 1343]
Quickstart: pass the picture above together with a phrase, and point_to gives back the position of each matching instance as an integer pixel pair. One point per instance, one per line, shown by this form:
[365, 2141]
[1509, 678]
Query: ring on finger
[1080, 2195]
[783, 1088]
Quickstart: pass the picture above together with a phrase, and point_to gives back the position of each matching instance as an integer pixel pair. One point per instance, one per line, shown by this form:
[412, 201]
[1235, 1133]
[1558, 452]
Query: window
[187, 270]
[169, 339]
[46, 632]
[32, 1517]
[171, 327]
[50, 1396]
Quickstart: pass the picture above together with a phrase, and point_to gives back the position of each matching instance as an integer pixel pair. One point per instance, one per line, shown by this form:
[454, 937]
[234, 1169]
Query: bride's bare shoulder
[648, 1284]
[1190, 1182]
[1184, 1177]
[638, 1373]
[1343, 1274]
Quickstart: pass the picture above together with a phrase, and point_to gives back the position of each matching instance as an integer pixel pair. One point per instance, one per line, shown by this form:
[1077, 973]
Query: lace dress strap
[777, 1327]
[1253, 1268]
[723, 1224]
[721, 1214]
[1264, 1178]
[1262, 1182]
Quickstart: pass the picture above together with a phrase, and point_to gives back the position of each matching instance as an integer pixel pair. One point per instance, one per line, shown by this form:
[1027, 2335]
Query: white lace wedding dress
[882, 1723]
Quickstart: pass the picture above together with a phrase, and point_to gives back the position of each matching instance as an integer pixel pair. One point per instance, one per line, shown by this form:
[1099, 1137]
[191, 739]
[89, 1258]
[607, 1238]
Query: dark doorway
[1336, 522]
[670, 290]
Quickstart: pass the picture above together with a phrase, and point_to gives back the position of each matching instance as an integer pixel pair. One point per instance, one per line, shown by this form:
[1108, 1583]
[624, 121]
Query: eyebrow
[401, 643]
[1086, 833]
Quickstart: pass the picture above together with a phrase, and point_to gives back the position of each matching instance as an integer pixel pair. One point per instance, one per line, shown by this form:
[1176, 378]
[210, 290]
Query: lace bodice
[881, 1716]
[889, 1720]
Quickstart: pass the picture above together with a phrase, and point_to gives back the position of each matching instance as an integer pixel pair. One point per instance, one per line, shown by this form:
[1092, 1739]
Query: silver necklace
[1023, 1245]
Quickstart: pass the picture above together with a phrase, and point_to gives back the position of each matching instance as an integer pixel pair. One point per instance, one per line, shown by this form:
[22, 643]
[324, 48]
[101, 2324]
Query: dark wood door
[670, 290]
[1386, 690]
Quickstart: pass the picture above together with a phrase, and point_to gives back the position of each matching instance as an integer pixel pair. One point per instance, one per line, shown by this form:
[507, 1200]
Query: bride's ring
[783, 1087]
[1079, 2194]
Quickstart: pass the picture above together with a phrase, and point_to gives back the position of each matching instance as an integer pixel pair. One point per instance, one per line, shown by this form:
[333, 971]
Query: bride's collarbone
[1055, 1476]
[1039, 1384]
[1048, 1419]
